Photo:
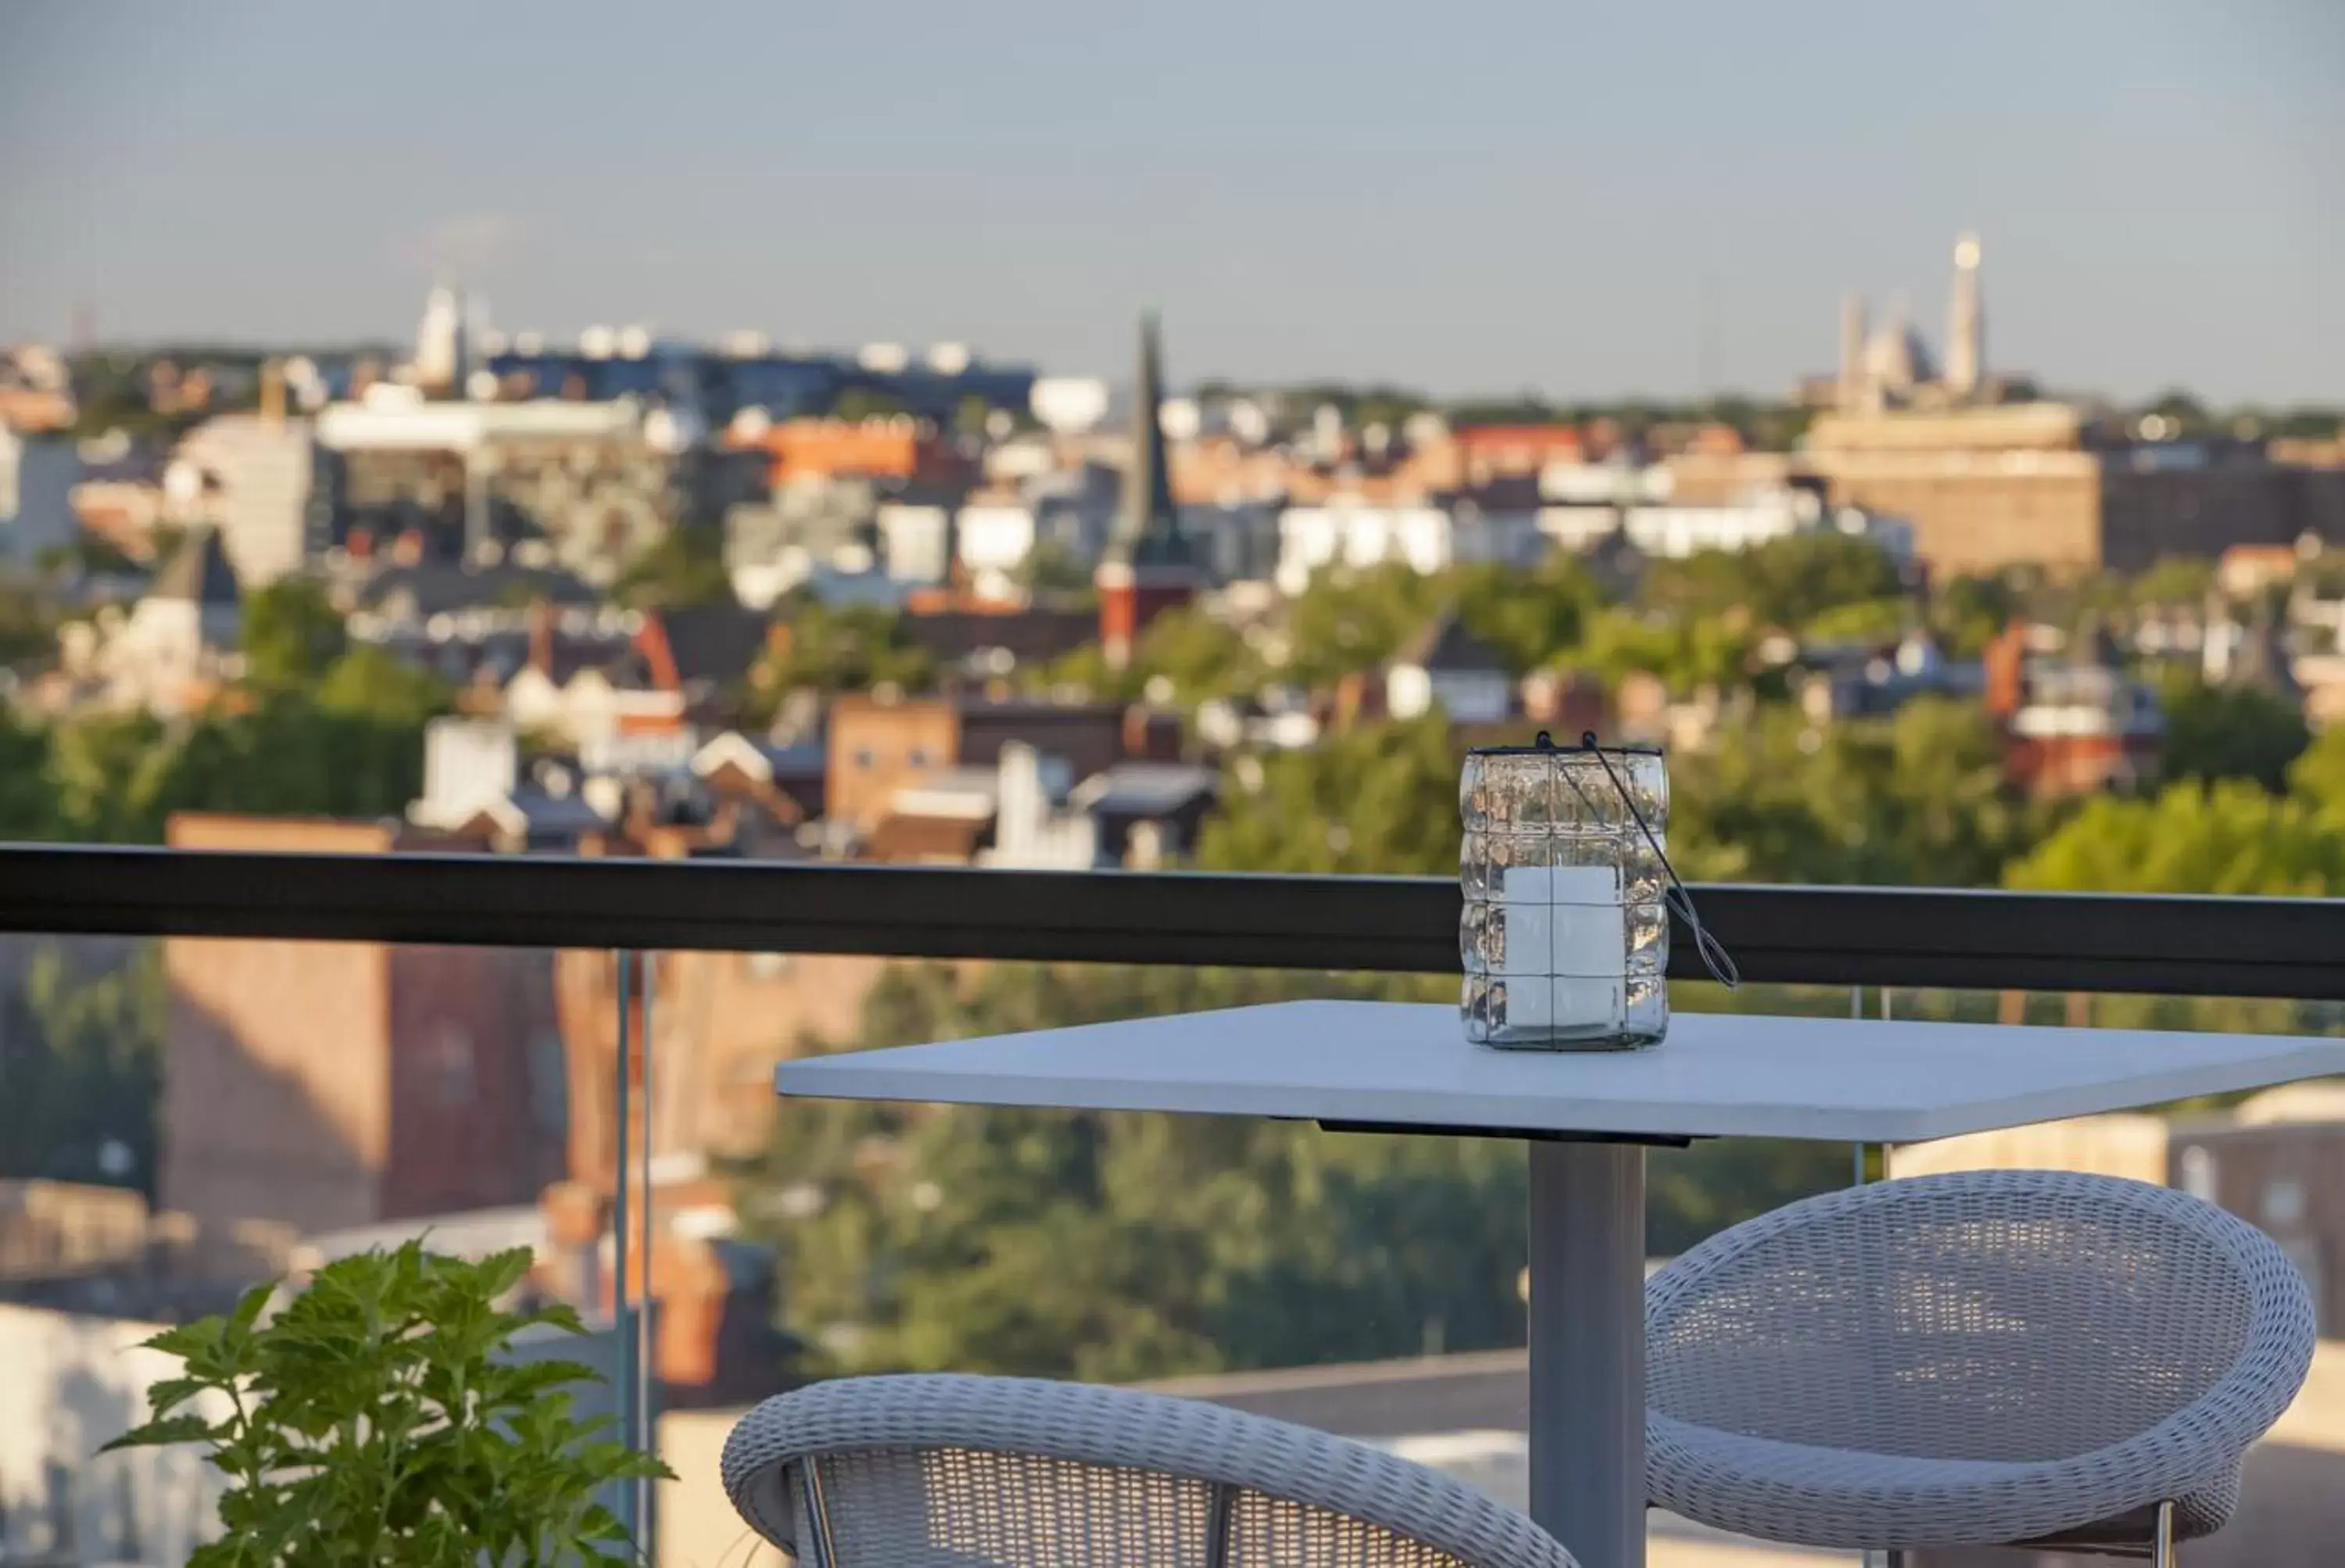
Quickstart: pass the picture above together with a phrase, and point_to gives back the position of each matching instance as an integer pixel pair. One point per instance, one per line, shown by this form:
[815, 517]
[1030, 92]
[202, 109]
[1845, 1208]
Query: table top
[1407, 1065]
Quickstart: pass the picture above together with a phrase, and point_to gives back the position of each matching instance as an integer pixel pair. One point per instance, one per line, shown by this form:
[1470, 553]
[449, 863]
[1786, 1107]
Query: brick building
[900, 448]
[1989, 487]
[328, 1084]
[2073, 722]
[877, 747]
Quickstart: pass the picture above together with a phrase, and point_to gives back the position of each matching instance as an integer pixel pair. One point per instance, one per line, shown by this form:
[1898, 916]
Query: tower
[1852, 351]
[1150, 564]
[440, 341]
[1965, 324]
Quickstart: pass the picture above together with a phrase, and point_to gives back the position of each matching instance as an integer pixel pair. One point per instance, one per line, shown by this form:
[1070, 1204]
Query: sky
[1582, 200]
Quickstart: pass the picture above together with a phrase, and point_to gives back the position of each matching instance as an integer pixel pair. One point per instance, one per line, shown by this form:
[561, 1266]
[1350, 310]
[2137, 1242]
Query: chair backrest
[923, 1472]
[2017, 1316]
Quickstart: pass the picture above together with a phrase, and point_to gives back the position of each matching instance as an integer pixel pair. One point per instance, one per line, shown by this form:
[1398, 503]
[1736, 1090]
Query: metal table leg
[1587, 1349]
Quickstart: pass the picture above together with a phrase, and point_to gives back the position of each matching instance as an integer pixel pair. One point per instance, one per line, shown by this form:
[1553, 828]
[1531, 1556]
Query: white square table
[1588, 1117]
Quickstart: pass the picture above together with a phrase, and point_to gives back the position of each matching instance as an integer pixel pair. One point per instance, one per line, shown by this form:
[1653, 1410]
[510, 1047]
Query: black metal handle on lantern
[1714, 953]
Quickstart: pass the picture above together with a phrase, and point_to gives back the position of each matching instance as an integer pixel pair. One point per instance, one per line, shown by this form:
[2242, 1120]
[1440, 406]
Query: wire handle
[1714, 956]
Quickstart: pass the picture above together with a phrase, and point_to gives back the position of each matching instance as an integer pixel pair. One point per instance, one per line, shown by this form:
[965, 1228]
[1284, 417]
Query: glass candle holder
[1564, 933]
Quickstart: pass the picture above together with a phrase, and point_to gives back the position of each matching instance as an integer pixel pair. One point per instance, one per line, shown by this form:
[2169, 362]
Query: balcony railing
[1934, 937]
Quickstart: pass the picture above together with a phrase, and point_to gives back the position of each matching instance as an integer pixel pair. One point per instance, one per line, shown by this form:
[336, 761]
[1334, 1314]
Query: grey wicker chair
[1984, 1357]
[935, 1471]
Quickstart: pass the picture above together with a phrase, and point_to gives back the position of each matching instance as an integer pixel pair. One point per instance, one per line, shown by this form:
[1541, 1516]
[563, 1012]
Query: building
[37, 476]
[248, 475]
[2073, 721]
[1151, 564]
[36, 393]
[1990, 486]
[1371, 525]
[329, 1084]
[677, 668]
[442, 342]
[761, 792]
[1875, 683]
[1355, 535]
[1446, 666]
[820, 534]
[877, 747]
[1893, 367]
[719, 384]
[898, 449]
[176, 646]
[1659, 530]
[720, 1021]
[1488, 452]
[587, 487]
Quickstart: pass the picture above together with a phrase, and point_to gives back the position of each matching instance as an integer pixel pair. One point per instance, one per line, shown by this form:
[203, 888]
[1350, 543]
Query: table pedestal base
[1587, 1349]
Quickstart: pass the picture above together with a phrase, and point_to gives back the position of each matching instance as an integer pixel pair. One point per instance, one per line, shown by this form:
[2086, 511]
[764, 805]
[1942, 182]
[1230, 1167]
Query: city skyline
[1473, 211]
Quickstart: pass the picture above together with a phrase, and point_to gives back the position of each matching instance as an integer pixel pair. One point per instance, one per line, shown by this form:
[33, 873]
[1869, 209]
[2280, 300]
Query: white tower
[439, 339]
[1852, 351]
[1965, 324]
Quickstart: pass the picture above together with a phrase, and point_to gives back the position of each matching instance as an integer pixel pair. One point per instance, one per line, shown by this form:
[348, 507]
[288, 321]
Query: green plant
[374, 1420]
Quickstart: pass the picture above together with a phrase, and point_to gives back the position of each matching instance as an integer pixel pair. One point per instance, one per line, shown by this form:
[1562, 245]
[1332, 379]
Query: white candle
[1567, 946]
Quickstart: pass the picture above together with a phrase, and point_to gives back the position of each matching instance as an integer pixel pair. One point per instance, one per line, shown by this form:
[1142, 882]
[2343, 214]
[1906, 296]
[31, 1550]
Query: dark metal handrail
[1832, 936]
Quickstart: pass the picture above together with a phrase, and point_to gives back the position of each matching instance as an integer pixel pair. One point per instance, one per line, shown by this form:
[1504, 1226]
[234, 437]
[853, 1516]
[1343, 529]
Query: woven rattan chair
[927, 1471]
[1988, 1358]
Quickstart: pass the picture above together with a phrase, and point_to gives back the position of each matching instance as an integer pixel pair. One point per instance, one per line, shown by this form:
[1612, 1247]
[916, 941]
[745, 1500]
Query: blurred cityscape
[1920, 620]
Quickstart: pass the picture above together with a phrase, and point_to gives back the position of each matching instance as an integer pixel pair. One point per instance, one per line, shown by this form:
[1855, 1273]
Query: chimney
[2006, 661]
[541, 637]
[272, 393]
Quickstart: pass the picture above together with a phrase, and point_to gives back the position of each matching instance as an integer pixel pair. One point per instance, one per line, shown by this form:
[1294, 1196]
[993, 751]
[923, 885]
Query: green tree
[1919, 799]
[2174, 581]
[1685, 653]
[28, 623]
[1202, 656]
[2214, 733]
[29, 808]
[1784, 582]
[369, 683]
[1348, 621]
[291, 632]
[1530, 618]
[1381, 798]
[1053, 571]
[2228, 836]
[81, 1053]
[2318, 775]
[1863, 623]
[682, 568]
[839, 648]
[858, 403]
[1968, 613]
[107, 769]
[970, 415]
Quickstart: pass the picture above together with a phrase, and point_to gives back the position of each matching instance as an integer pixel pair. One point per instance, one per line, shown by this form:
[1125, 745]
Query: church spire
[1150, 564]
[1147, 529]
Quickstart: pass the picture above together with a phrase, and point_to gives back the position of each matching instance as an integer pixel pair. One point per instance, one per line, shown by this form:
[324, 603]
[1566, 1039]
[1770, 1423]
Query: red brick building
[330, 1084]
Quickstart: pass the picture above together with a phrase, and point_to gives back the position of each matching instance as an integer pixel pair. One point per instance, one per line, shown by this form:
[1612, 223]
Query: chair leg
[2161, 1549]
